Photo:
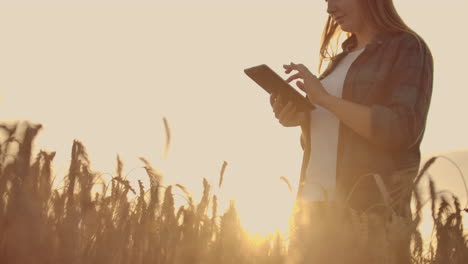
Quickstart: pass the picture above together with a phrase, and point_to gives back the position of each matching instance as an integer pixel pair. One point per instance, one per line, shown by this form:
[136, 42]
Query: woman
[372, 103]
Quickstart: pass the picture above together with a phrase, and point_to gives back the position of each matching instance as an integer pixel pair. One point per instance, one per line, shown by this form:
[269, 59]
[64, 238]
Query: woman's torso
[321, 170]
[370, 81]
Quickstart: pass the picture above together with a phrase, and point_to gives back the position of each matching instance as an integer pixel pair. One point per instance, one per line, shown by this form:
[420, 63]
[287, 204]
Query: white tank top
[321, 168]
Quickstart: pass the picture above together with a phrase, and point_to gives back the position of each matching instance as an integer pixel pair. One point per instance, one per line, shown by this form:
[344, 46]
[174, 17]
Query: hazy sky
[107, 72]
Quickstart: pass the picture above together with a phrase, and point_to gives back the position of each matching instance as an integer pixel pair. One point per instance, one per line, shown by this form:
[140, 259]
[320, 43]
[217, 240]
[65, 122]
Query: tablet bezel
[270, 81]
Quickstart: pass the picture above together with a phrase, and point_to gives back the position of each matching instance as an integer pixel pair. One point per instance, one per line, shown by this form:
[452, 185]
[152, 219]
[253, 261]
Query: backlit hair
[380, 13]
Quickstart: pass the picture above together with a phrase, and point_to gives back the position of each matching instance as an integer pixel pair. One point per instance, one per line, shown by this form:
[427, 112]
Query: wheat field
[77, 224]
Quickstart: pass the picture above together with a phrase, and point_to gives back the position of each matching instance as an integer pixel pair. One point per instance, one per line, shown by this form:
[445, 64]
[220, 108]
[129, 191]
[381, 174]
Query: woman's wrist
[322, 100]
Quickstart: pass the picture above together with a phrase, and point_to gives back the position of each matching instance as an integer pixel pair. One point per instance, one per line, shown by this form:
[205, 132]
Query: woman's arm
[303, 139]
[305, 124]
[398, 123]
[355, 116]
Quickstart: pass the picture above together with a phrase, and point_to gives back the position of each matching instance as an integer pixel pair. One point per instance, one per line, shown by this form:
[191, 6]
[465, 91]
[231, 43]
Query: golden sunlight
[267, 211]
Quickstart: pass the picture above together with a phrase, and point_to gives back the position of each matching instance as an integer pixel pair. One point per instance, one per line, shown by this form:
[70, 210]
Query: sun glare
[267, 215]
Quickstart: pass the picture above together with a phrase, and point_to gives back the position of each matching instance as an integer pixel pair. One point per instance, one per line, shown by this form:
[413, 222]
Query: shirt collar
[378, 39]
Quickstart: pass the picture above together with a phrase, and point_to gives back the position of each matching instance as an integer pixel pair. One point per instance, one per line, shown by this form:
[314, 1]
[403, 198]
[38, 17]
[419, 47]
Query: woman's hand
[311, 84]
[286, 112]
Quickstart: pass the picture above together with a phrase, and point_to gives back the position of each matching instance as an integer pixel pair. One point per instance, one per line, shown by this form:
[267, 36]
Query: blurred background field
[107, 71]
[117, 67]
[90, 220]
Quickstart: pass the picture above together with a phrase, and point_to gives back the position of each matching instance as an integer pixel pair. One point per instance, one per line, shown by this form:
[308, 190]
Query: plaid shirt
[393, 76]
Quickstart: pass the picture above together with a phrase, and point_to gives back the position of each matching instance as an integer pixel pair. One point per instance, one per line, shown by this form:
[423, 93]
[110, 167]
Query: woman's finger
[288, 68]
[300, 68]
[275, 104]
[294, 77]
[301, 86]
[277, 107]
[272, 98]
[293, 66]
[303, 69]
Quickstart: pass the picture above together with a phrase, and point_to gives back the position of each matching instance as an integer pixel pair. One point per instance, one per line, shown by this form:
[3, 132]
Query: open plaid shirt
[393, 76]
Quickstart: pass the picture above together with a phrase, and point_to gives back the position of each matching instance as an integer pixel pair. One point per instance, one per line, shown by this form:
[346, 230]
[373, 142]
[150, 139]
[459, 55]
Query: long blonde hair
[380, 13]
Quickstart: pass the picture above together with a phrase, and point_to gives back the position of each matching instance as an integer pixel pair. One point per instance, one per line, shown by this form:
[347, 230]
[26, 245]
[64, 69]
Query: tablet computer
[270, 81]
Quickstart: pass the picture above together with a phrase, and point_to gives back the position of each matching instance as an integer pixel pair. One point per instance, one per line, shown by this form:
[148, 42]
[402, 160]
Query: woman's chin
[345, 28]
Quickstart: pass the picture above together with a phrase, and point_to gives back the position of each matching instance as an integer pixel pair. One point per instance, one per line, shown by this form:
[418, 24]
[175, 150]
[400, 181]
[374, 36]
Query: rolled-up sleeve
[399, 123]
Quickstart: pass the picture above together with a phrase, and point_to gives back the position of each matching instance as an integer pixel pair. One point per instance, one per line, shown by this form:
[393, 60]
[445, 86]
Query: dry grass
[75, 225]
